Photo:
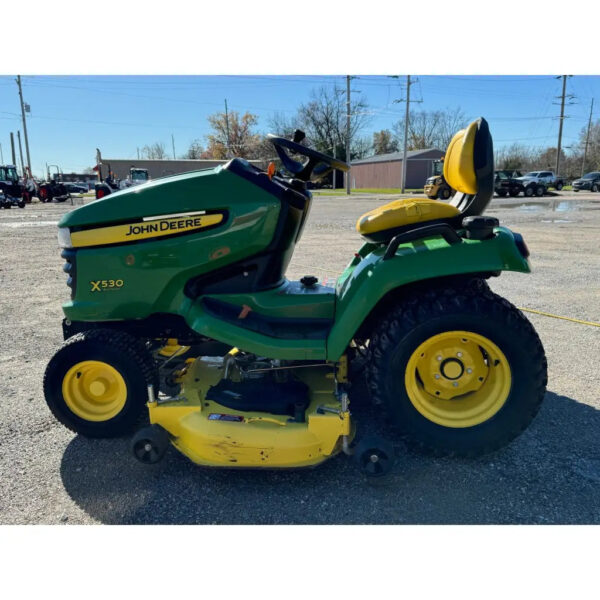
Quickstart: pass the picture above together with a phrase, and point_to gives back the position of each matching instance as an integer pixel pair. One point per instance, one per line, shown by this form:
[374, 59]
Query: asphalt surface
[550, 474]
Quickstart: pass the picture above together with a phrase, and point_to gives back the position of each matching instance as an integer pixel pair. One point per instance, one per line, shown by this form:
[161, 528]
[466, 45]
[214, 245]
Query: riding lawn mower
[183, 317]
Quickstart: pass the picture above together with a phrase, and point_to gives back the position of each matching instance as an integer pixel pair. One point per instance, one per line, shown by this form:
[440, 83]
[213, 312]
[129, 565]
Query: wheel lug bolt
[437, 376]
[455, 384]
[469, 370]
[459, 354]
[439, 358]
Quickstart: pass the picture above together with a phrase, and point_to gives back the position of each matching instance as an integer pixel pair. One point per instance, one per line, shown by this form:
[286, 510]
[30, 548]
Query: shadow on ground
[551, 474]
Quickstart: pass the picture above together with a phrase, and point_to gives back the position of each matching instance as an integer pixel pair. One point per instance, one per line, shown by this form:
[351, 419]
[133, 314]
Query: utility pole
[1, 154]
[138, 152]
[587, 139]
[348, 132]
[12, 148]
[24, 122]
[227, 128]
[21, 153]
[333, 172]
[406, 122]
[406, 117]
[560, 127]
[173, 142]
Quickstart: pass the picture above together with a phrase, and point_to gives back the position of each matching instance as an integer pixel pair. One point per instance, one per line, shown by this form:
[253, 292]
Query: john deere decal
[167, 225]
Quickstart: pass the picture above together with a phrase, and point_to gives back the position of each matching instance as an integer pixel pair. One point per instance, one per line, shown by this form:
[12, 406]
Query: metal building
[385, 170]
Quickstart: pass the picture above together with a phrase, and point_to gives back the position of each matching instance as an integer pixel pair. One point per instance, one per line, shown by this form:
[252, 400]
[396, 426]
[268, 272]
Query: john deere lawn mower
[184, 317]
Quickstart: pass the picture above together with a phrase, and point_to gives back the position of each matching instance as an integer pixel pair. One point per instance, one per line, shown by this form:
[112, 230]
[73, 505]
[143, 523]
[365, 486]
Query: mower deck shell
[213, 435]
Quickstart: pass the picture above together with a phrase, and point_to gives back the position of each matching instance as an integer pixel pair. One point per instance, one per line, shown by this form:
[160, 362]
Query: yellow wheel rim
[94, 390]
[458, 379]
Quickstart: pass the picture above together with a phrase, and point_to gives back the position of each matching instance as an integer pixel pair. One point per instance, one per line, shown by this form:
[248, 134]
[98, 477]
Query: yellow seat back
[459, 164]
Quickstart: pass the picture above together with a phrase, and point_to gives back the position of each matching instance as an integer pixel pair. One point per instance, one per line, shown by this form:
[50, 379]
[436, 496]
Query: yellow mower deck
[214, 435]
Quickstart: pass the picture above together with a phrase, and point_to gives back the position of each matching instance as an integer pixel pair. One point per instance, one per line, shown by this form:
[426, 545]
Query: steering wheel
[318, 164]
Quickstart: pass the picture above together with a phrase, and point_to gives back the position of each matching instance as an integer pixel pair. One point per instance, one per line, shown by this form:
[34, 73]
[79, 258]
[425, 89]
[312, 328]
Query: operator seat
[468, 168]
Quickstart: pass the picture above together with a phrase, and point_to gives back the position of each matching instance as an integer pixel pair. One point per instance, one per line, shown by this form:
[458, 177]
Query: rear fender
[369, 278]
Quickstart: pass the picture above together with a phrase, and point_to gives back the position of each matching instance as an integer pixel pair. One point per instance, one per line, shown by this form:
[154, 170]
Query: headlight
[64, 238]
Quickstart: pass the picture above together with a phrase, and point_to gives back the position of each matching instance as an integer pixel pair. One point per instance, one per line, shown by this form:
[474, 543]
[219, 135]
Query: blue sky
[72, 115]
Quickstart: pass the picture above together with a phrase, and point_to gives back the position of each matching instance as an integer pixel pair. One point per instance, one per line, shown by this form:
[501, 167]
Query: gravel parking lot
[551, 474]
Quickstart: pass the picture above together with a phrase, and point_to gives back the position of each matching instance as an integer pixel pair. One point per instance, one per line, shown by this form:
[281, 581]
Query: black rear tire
[559, 186]
[501, 193]
[514, 192]
[540, 190]
[123, 353]
[424, 315]
[594, 188]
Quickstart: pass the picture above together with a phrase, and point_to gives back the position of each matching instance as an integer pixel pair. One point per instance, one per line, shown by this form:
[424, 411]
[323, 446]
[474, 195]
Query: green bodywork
[154, 273]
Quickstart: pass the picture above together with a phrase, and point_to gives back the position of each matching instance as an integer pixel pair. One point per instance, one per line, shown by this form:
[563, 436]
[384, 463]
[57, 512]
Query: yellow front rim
[458, 379]
[94, 390]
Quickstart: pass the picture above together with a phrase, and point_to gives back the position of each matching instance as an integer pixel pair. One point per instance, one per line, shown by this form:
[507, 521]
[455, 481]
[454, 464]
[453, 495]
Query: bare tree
[430, 129]
[155, 151]
[384, 142]
[323, 119]
[195, 151]
[282, 125]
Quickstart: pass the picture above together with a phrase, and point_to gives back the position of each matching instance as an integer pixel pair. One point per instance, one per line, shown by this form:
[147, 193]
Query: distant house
[385, 170]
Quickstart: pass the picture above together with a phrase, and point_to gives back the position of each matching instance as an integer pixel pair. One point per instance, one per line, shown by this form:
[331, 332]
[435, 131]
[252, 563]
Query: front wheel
[529, 191]
[460, 371]
[559, 186]
[97, 383]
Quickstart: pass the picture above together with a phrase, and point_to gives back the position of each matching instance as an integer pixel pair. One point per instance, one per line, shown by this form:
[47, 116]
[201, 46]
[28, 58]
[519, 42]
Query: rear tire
[540, 190]
[559, 186]
[501, 193]
[514, 192]
[97, 383]
[513, 378]
[594, 188]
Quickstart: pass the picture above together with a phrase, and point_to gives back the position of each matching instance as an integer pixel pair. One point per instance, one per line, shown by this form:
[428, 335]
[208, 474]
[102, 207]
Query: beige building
[156, 168]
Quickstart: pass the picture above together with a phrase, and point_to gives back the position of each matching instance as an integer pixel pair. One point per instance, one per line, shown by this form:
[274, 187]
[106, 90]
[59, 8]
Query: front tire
[459, 371]
[97, 383]
[444, 194]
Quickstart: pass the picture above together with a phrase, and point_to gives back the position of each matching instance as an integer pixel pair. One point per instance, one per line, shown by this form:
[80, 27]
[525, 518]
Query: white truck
[547, 179]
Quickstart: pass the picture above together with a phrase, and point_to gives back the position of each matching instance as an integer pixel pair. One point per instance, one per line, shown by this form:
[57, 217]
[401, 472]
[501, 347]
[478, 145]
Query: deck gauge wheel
[150, 444]
[374, 456]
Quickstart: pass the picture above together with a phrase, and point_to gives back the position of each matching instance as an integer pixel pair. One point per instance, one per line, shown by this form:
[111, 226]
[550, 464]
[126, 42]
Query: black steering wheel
[318, 164]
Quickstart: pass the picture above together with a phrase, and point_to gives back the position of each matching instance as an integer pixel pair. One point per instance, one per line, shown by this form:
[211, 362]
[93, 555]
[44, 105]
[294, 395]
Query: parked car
[547, 178]
[75, 188]
[506, 183]
[590, 181]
